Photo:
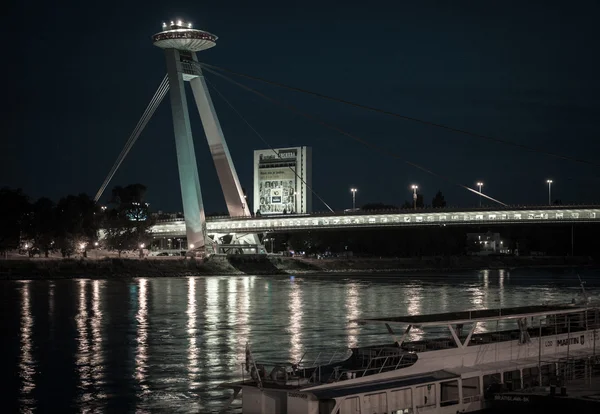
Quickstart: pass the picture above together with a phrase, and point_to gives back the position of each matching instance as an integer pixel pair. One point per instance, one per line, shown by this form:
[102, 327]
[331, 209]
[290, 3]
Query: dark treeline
[552, 240]
[73, 223]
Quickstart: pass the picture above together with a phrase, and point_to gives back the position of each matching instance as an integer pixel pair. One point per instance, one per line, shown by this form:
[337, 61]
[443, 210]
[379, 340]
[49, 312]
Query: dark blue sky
[526, 71]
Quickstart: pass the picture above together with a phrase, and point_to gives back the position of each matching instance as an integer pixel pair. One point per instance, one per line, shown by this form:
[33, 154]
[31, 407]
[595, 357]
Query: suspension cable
[408, 118]
[368, 144]
[267, 144]
[150, 109]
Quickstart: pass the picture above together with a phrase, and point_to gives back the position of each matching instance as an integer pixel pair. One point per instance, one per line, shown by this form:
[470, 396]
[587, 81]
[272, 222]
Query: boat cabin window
[548, 374]
[326, 406]
[470, 389]
[491, 379]
[350, 405]
[425, 395]
[400, 401]
[531, 377]
[375, 403]
[449, 393]
[512, 379]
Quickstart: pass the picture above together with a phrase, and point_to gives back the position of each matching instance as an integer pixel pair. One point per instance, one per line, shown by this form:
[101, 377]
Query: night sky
[80, 74]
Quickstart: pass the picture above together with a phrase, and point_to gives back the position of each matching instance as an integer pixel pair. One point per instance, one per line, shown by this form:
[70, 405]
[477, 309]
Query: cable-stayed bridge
[221, 226]
[180, 43]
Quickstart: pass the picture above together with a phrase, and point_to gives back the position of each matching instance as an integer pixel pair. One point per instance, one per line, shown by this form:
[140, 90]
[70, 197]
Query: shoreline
[114, 268]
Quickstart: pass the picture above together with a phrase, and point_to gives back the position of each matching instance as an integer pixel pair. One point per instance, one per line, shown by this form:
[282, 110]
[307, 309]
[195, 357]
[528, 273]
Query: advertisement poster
[277, 190]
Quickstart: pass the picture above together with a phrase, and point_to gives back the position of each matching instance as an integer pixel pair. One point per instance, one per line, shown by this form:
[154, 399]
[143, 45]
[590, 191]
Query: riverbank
[266, 265]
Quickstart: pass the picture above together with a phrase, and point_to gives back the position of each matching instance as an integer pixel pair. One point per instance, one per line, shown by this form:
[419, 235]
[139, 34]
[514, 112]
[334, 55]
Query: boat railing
[385, 360]
[309, 369]
[472, 398]
[323, 358]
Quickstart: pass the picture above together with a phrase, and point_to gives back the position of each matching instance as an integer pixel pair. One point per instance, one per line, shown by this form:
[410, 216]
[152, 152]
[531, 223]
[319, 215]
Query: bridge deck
[400, 218]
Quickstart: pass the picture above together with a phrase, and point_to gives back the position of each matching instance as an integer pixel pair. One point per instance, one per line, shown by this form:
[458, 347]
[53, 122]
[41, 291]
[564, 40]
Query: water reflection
[97, 339]
[352, 308]
[51, 301]
[243, 317]
[415, 304]
[192, 332]
[211, 317]
[501, 276]
[141, 356]
[295, 326]
[26, 363]
[167, 345]
[82, 358]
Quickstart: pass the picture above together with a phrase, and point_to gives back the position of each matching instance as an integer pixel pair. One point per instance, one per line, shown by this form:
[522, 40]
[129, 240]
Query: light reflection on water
[82, 357]
[27, 364]
[141, 355]
[167, 344]
[296, 311]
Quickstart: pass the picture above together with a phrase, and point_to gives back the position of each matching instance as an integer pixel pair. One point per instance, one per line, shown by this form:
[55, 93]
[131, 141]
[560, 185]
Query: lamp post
[549, 192]
[353, 191]
[414, 187]
[479, 184]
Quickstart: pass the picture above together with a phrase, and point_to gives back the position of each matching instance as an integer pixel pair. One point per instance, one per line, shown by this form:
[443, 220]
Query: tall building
[282, 177]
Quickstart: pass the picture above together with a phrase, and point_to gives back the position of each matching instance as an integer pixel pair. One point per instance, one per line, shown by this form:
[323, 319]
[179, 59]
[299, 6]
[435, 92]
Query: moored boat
[460, 360]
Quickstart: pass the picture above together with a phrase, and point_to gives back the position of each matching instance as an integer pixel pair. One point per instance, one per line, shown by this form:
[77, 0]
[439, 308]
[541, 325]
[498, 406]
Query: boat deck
[477, 315]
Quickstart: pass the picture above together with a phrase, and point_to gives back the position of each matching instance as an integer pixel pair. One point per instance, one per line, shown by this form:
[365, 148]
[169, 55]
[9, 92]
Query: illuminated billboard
[281, 176]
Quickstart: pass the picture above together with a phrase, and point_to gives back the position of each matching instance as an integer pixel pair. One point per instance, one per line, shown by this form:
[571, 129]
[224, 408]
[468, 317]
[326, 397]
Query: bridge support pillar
[235, 198]
[193, 209]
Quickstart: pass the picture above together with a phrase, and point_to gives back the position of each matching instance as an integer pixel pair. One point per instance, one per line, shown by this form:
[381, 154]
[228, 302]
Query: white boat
[448, 372]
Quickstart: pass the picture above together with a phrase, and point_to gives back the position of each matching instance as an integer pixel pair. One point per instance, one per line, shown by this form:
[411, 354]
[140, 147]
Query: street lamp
[549, 191]
[414, 187]
[479, 184]
[353, 190]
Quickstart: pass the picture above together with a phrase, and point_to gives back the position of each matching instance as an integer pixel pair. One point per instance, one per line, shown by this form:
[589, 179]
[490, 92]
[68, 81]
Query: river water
[165, 345]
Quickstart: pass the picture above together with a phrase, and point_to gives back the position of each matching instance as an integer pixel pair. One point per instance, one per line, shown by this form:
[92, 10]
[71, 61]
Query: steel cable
[150, 109]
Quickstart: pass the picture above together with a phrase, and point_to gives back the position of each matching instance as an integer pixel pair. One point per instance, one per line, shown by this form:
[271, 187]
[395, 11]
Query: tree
[14, 214]
[410, 204]
[127, 225]
[78, 220]
[406, 205]
[378, 206]
[438, 201]
[42, 227]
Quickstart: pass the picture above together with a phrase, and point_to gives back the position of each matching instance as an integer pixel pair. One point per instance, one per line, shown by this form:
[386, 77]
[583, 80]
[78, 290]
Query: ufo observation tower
[181, 42]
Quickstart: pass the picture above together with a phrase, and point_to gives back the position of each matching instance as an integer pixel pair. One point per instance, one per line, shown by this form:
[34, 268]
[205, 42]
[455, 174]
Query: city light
[191, 246]
[353, 191]
[142, 245]
[479, 184]
[549, 191]
[414, 188]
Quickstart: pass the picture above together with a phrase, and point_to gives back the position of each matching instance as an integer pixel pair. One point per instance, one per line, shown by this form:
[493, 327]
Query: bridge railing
[398, 211]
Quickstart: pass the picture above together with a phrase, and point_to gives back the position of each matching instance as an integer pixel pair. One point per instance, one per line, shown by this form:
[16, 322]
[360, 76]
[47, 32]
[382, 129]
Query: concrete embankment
[264, 265]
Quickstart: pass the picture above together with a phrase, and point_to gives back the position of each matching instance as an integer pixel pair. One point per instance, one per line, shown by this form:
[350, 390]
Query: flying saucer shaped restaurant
[181, 36]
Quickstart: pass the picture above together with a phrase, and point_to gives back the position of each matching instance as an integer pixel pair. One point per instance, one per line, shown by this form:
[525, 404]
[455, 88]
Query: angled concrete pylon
[181, 43]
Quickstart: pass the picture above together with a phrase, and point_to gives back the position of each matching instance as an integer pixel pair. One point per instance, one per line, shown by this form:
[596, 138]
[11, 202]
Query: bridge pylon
[181, 42]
